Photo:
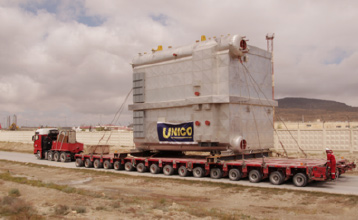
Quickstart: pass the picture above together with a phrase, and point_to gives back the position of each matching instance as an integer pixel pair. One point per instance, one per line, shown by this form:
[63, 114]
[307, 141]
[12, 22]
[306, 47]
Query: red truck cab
[43, 139]
[52, 144]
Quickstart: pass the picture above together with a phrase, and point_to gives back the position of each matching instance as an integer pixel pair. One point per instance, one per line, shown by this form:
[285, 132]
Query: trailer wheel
[117, 165]
[255, 176]
[300, 180]
[97, 164]
[63, 157]
[38, 155]
[183, 171]
[128, 166]
[88, 163]
[79, 162]
[276, 178]
[234, 174]
[198, 172]
[107, 165]
[141, 168]
[216, 173]
[168, 170]
[56, 156]
[50, 156]
[154, 169]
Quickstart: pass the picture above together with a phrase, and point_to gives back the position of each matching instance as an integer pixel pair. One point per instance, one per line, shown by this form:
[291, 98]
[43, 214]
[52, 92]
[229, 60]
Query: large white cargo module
[212, 95]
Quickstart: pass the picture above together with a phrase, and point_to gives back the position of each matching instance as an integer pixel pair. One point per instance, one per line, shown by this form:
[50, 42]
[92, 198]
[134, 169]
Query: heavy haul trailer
[278, 170]
[52, 144]
[208, 96]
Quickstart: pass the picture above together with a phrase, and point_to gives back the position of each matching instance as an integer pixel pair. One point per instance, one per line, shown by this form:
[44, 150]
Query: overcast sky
[68, 62]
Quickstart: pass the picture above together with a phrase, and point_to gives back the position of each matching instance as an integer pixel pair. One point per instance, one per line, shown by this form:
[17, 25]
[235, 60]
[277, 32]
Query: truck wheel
[255, 176]
[154, 169]
[56, 156]
[97, 164]
[276, 178]
[198, 172]
[50, 156]
[38, 155]
[88, 163]
[79, 162]
[107, 165]
[63, 157]
[183, 171]
[216, 173]
[117, 165]
[300, 180]
[141, 168]
[128, 166]
[168, 170]
[234, 174]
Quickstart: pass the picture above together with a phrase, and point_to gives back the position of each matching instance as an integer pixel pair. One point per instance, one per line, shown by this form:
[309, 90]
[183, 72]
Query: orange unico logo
[177, 132]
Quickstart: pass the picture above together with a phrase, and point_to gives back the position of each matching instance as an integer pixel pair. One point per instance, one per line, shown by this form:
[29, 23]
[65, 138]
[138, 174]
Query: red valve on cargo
[197, 123]
[207, 123]
[174, 54]
[197, 93]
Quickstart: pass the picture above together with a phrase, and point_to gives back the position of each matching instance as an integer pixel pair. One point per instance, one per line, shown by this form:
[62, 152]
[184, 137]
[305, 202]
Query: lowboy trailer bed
[278, 170]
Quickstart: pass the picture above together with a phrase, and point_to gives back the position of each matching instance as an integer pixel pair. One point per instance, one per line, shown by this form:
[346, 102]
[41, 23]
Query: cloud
[71, 59]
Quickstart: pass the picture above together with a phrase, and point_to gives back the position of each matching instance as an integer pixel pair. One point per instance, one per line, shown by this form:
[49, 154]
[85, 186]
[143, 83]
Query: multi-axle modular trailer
[278, 170]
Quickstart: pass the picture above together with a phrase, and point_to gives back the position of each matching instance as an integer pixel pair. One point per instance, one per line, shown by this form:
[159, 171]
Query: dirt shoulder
[50, 192]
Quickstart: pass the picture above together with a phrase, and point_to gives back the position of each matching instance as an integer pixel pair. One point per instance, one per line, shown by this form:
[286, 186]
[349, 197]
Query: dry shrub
[16, 208]
[79, 209]
[61, 210]
[14, 193]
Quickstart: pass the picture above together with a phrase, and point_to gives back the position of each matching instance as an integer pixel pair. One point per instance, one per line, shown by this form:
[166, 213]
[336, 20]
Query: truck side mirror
[33, 138]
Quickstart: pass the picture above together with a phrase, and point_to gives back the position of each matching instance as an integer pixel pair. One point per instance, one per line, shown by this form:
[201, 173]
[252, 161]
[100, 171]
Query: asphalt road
[346, 184]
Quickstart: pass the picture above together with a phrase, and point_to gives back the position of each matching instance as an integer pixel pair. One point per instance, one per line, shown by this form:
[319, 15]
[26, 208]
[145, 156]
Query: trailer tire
[128, 166]
[255, 176]
[154, 168]
[97, 164]
[38, 155]
[168, 170]
[117, 165]
[56, 156]
[79, 162]
[50, 156]
[276, 178]
[141, 168]
[198, 172]
[300, 180]
[63, 157]
[234, 174]
[183, 171]
[88, 163]
[107, 165]
[216, 173]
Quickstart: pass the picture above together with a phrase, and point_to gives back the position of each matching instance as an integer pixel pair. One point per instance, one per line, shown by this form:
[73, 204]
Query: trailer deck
[278, 170]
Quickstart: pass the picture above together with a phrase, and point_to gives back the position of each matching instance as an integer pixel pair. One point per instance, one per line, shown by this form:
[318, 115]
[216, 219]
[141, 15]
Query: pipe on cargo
[238, 144]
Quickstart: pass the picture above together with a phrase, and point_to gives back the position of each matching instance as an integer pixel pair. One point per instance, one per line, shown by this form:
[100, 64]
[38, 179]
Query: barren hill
[304, 109]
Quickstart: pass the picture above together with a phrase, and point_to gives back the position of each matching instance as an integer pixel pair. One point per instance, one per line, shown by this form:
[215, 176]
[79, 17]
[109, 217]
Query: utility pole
[269, 39]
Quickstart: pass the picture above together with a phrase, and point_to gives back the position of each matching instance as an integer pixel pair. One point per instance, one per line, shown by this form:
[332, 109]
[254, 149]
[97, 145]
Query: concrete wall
[117, 138]
[317, 140]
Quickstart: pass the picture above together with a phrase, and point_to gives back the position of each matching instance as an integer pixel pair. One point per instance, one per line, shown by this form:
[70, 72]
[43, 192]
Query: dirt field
[36, 192]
